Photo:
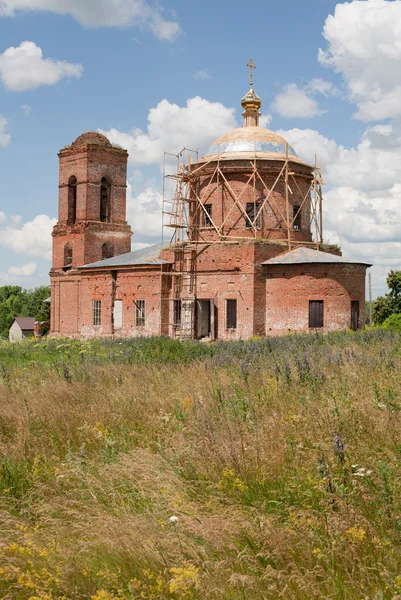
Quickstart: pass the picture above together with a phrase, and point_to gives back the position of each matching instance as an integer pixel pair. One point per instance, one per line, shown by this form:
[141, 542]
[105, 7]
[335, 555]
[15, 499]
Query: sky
[164, 74]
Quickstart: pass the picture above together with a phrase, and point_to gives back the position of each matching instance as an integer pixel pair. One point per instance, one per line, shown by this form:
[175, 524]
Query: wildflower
[357, 534]
[362, 472]
[173, 519]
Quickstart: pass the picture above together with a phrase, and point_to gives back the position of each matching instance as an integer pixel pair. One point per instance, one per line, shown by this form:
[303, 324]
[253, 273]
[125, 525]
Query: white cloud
[102, 13]
[364, 46]
[24, 68]
[265, 120]
[171, 127]
[26, 109]
[373, 165]
[28, 270]
[144, 215]
[362, 200]
[321, 86]
[4, 137]
[294, 102]
[203, 74]
[31, 239]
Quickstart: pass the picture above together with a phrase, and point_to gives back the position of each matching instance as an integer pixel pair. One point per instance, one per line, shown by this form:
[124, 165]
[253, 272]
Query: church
[243, 254]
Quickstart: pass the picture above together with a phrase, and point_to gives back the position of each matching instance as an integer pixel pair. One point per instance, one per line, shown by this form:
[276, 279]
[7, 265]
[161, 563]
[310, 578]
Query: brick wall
[219, 192]
[289, 289]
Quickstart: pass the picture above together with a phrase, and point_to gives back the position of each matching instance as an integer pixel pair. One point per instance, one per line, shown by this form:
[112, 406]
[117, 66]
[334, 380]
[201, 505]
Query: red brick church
[245, 255]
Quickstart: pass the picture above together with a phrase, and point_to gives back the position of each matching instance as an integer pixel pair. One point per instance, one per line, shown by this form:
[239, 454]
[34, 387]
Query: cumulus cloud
[362, 200]
[144, 215]
[4, 137]
[265, 120]
[294, 102]
[363, 45]
[28, 270]
[102, 13]
[171, 127]
[26, 109]
[32, 238]
[24, 68]
[373, 165]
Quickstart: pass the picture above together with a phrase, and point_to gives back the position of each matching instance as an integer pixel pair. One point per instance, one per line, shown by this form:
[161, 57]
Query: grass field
[152, 469]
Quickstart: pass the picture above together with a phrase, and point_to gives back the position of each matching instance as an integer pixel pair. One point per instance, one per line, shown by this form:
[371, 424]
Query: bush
[393, 322]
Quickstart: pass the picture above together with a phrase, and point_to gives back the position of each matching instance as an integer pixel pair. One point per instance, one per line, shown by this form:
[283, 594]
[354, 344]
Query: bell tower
[92, 203]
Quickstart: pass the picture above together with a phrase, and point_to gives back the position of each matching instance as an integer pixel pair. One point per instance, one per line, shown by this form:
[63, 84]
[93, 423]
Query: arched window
[105, 201]
[72, 200]
[68, 255]
[107, 250]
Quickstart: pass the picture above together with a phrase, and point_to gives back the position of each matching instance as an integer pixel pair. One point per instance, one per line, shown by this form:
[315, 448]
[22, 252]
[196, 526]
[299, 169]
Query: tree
[390, 303]
[16, 302]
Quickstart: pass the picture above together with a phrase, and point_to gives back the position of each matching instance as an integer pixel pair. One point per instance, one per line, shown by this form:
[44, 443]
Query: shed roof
[25, 323]
[302, 255]
[144, 256]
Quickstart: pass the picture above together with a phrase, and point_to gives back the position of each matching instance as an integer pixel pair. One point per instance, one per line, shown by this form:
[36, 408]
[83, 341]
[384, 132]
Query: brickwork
[129, 301]
[290, 288]
[219, 192]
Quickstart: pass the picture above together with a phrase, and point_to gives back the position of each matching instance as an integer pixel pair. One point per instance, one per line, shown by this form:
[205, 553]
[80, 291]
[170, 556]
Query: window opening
[140, 313]
[105, 201]
[206, 215]
[68, 255]
[316, 314]
[231, 314]
[107, 250]
[177, 313]
[72, 200]
[252, 209]
[97, 312]
[297, 218]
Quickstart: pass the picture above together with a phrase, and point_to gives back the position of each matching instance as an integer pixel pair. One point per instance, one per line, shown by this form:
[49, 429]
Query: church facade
[246, 254]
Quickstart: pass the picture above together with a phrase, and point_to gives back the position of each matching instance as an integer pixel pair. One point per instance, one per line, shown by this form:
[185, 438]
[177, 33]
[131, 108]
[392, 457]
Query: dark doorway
[354, 314]
[316, 314]
[203, 319]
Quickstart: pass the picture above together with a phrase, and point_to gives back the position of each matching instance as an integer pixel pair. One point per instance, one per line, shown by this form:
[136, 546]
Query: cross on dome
[251, 102]
[251, 66]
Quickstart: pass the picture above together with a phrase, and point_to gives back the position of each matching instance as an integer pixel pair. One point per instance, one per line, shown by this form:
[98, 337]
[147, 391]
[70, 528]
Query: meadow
[154, 469]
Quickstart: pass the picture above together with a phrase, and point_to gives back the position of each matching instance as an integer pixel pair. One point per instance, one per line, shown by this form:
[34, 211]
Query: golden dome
[246, 142]
[251, 100]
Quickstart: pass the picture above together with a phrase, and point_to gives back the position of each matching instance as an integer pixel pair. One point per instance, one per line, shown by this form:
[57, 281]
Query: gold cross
[251, 66]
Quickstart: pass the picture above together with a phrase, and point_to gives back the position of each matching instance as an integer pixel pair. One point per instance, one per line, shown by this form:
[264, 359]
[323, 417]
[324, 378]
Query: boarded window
[252, 209]
[105, 201]
[316, 314]
[118, 314]
[297, 217]
[68, 255]
[177, 313]
[97, 312]
[354, 314]
[206, 215]
[107, 250]
[231, 314]
[72, 200]
[140, 313]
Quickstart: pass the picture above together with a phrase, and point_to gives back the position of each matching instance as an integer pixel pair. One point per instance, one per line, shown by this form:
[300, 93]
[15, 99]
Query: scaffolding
[184, 213]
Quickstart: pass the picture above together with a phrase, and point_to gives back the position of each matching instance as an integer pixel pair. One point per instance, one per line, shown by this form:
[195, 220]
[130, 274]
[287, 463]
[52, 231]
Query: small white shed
[21, 328]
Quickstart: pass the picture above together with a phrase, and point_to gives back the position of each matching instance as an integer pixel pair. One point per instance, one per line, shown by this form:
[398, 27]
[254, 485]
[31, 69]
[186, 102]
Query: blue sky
[104, 64]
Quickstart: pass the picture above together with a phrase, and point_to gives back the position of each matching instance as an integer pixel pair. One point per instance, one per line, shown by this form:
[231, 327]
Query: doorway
[203, 319]
[354, 315]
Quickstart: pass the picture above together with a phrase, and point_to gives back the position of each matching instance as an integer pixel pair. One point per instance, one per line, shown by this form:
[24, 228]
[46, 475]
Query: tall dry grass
[280, 460]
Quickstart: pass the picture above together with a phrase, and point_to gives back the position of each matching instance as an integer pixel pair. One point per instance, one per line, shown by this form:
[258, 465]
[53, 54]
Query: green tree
[390, 303]
[17, 302]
